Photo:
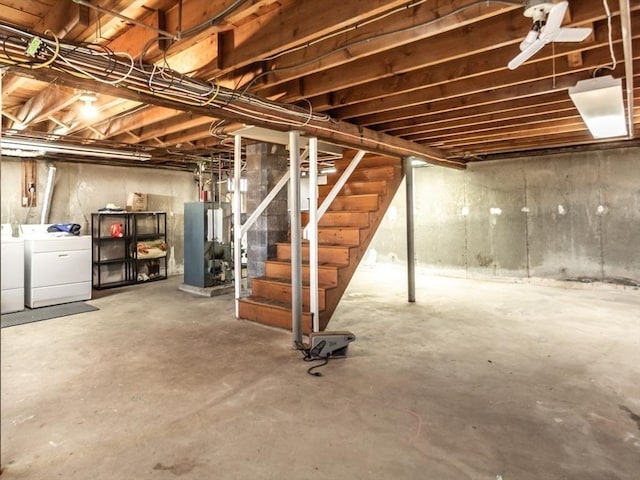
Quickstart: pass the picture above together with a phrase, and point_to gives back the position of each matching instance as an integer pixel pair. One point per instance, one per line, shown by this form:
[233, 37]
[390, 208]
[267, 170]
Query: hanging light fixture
[88, 110]
[599, 101]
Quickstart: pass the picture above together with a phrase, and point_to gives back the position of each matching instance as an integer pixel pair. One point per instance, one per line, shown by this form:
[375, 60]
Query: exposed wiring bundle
[88, 61]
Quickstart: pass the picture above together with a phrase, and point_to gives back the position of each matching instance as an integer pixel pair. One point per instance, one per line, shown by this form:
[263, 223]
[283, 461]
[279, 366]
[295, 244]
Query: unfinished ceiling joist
[424, 77]
[339, 132]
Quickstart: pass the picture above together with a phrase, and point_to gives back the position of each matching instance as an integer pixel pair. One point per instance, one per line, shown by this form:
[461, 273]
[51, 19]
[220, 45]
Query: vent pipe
[48, 194]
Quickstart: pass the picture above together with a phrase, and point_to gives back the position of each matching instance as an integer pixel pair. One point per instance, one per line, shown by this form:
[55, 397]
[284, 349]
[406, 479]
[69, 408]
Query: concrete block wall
[570, 216]
[266, 164]
[81, 189]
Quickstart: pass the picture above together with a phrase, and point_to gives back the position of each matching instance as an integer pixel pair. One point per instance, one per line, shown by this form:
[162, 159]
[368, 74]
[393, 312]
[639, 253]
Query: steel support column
[296, 238]
[411, 268]
[237, 220]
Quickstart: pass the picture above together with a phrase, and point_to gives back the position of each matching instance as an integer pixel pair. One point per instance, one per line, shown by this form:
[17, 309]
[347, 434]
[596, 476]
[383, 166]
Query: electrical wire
[102, 80]
[211, 21]
[56, 51]
[307, 356]
[614, 62]
[97, 63]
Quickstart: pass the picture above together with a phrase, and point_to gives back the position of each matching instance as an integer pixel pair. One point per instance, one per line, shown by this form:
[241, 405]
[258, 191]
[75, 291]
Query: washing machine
[12, 282]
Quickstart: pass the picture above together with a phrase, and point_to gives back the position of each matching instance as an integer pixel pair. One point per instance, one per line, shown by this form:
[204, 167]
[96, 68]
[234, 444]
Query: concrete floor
[477, 380]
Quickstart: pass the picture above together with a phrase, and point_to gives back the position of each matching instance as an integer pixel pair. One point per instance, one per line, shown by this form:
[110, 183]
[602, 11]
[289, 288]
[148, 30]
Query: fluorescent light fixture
[28, 145]
[17, 152]
[599, 101]
[327, 170]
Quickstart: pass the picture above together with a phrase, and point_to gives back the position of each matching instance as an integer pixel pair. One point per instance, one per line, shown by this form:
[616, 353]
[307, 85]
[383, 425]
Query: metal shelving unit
[116, 260]
[148, 227]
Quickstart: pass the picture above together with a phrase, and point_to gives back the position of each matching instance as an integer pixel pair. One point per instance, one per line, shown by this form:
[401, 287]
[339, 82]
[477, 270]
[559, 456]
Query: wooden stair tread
[368, 163]
[340, 227]
[385, 172]
[341, 235]
[306, 264]
[358, 195]
[364, 202]
[305, 244]
[355, 188]
[325, 246]
[336, 218]
[287, 282]
[270, 302]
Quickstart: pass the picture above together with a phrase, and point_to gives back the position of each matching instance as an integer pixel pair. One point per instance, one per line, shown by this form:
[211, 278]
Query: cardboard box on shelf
[136, 202]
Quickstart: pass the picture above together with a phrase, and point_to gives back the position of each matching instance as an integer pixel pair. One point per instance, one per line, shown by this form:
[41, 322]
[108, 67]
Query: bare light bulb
[89, 110]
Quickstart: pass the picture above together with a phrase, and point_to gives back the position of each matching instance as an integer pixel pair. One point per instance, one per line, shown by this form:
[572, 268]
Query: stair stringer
[357, 254]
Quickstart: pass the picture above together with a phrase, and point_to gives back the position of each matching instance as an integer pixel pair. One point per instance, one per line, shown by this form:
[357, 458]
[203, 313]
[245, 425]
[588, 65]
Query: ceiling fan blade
[525, 55]
[572, 34]
[531, 37]
[554, 19]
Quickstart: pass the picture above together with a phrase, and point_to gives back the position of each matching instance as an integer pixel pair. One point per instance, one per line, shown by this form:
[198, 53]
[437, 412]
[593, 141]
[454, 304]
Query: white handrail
[264, 204]
[337, 187]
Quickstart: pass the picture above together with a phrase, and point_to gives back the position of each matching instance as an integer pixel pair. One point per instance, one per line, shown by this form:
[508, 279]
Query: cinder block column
[266, 164]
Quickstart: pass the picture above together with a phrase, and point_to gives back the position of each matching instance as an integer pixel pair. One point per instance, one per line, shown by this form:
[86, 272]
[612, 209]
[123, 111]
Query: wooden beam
[136, 37]
[404, 27]
[138, 119]
[106, 107]
[495, 121]
[567, 134]
[104, 27]
[464, 87]
[465, 67]
[421, 113]
[187, 135]
[45, 103]
[468, 113]
[178, 123]
[296, 23]
[341, 133]
[479, 37]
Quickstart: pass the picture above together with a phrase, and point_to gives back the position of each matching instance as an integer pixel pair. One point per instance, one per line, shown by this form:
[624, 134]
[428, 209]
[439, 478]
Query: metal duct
[48, 194]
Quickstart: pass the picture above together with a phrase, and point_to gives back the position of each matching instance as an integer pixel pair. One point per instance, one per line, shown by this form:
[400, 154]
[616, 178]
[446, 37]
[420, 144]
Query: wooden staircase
[344, 234]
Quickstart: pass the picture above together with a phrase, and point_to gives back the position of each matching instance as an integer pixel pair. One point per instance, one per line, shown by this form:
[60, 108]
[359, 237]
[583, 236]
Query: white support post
[313, 232]
[237, 220]
[296, 239]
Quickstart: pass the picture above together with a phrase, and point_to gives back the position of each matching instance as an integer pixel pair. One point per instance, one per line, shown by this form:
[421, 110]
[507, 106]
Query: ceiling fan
[547, 18]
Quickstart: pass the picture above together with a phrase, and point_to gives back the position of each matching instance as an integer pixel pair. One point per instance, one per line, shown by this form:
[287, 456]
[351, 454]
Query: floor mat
[29, 315]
